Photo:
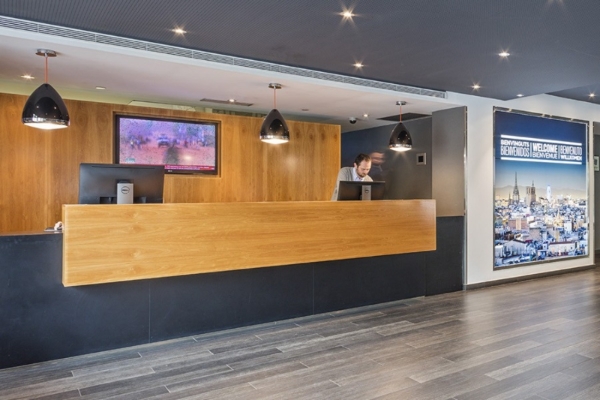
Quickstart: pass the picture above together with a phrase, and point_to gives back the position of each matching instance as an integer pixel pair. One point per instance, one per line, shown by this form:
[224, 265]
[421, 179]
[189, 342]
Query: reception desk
[44, 320]
[115, 243]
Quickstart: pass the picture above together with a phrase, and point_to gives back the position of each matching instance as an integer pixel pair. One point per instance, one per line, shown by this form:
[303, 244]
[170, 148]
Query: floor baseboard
[526, 278]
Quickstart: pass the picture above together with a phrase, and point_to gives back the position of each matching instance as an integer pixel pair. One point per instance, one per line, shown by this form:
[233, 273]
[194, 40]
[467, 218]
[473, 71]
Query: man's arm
[345, 174]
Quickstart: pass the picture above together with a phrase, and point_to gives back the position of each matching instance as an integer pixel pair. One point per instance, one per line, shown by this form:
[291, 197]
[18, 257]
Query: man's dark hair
[360, 158]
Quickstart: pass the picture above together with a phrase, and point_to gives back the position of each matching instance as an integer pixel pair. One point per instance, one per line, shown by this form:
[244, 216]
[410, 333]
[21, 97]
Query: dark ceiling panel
[590, 94]
[437, 44]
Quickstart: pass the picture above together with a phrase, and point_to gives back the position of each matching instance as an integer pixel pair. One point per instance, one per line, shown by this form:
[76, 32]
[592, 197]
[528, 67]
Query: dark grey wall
[448, 161]
[404, 178]
[442, 137]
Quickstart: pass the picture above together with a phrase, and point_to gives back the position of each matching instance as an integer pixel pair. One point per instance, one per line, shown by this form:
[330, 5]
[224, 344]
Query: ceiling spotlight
[27, 76]
[476, 86]
[45, 109]
[347, 14]
[179, 31]
[592, 95]
[100, 88]
[231, 100]
[274, 129]
[519, 95]
[358, 64]
[504, 54]
[365, 115]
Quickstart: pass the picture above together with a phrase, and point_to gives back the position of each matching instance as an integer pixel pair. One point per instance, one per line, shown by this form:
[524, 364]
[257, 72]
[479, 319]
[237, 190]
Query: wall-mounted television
[180, 145]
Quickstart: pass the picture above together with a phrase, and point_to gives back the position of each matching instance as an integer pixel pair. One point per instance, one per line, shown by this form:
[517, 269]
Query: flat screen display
[98, 182]
[353, 190]
[181, 146]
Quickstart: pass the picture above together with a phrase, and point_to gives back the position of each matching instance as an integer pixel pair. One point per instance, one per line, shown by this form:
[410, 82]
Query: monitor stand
[366, 192]
[124, 193]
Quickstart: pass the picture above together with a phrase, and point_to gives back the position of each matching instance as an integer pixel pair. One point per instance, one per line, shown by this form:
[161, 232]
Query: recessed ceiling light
[27, 76]
[476, 86]
[504, 54]
[347, 14]
[365, 115]
[179, 31]
[232, 100]
[100, 88]
[519, 95]
[592, 95]
[358, 64]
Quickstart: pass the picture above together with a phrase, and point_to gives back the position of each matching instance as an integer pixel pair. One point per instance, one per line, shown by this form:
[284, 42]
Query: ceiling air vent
[161, 105]
[233, 103]
[405, 117]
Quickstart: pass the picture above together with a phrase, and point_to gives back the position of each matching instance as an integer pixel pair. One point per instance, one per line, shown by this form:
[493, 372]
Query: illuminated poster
[540, 189]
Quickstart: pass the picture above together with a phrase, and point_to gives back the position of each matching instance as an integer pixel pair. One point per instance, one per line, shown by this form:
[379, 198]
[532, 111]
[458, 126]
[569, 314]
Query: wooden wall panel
[24, 177]
[88, 139]
[39, 169]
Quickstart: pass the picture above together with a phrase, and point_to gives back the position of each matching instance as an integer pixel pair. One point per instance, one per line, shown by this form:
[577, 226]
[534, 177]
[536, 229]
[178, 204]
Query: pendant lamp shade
[274, 129]
[400, 139]
[45, 109]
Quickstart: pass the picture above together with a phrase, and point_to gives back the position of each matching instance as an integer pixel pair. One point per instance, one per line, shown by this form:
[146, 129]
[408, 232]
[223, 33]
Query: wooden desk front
[113, 243]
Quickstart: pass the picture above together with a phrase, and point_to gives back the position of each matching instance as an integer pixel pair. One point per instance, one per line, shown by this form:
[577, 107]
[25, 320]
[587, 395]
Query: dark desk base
[42, 320]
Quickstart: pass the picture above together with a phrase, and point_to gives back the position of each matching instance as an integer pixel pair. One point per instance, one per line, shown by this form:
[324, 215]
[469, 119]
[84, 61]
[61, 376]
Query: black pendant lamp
[274, 130]
[400, 139]
[45, 109]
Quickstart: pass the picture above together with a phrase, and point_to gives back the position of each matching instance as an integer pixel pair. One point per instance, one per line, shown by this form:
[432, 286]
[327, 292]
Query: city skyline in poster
[540, 189]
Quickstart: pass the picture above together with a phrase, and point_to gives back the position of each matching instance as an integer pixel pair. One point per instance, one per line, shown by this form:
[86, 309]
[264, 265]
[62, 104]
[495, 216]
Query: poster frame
[586, 161]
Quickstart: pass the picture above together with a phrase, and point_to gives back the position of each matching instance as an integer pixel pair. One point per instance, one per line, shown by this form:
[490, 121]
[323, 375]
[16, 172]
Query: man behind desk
[362, 166]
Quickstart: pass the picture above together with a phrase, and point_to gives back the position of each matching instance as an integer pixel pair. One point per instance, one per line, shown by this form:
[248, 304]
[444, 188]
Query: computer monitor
[98, 182]
[360, 190]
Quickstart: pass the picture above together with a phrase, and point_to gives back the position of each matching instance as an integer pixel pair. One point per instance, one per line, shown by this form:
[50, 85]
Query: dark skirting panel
[42, 320]
[365, 281]
[195, 304]
[444, 272]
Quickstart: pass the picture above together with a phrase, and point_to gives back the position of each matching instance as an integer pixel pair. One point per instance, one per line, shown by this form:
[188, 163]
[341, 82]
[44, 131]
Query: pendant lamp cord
[46, 70]
[275, 97]
[400, 103]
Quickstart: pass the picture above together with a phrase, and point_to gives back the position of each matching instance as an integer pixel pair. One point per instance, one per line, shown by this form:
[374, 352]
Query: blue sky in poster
[540, 131]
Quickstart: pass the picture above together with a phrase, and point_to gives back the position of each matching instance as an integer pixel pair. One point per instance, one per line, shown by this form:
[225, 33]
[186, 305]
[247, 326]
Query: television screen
[181, 146]
[98, 183]
[361, 190]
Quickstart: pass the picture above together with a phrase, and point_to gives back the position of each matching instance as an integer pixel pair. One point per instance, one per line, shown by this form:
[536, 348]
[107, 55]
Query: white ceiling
[138, 75]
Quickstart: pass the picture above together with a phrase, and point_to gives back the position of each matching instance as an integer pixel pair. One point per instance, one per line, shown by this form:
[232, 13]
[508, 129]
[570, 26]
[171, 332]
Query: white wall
[596, 174]
[480, 180]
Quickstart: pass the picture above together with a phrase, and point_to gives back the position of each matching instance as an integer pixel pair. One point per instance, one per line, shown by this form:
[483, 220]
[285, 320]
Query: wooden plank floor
[538, 339]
